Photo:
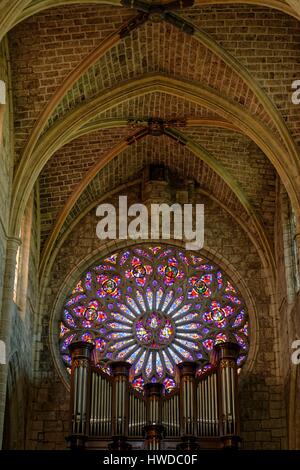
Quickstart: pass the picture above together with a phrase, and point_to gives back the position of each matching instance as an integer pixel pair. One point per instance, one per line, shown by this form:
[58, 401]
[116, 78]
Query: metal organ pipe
[188, 405]
[80, 391]
[120, 408]
[153, 428]
[229, 414]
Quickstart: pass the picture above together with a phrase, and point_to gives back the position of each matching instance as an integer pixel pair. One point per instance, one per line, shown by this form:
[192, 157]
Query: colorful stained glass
[205, 267]
[149, 295]
[154, 320]
[159, 366]
[79, 311]
[208, 344]
[100, 344]
[78, 288]
[75, 299]
[63, 330]
[112, 259]
[188, 327]
[232, 299]
[138, 384]
[69, 319]
[142, 334]
[244, 329]
[67, 359]
[219, 280]
[124, 257]
[139, 271]
[241, 341]
[67, 341]
[87, 337]
[121, 318]
[169, 385]
[221, 338]
[155, 306]
[166, 332]
[239, 320]
[175, 304]
[149, 366]
[124, 353]
[168, 363]
[167, 300]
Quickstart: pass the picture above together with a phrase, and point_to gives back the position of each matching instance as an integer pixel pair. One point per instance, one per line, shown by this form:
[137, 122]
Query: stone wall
[262, 400]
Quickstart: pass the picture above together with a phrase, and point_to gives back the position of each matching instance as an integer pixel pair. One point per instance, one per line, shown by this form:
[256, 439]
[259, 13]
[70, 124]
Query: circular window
[154, 306]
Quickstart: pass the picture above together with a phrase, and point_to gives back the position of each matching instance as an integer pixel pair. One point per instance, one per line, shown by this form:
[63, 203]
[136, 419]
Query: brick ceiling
[48, 46]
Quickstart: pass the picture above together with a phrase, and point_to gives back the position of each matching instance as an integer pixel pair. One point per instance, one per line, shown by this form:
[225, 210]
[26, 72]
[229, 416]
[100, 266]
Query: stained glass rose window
[154, 306]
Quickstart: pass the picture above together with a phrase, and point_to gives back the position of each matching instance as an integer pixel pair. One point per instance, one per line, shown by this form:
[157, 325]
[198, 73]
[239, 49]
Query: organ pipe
[229, 411]
[80, 393]
[188, 405]
[153, 428]
[120, 408]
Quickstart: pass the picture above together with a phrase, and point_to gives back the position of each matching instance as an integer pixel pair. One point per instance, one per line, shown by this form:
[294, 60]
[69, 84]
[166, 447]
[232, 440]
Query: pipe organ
[202, 413]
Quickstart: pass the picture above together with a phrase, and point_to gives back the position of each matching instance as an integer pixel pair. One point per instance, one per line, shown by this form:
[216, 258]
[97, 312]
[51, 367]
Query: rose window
[154, 306]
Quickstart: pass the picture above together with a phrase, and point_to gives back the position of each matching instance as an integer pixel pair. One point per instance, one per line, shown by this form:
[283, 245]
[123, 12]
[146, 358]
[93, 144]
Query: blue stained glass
[167, 299]
[188, 326]
[182, 311]
[118, 335]
[121, 318]
[159, 295]
[75, 299]
[122, 354]
[149, 366]
[118, 326]
[133, 356]
[159, 366]
[132, 304]
[140, 363]
[140, 300]
[124, 257]
[188, 344]
[112, 259]
[69, 319]
[176, 304]
[120, 344]
[168, 363]
[149, 295]
[125, 310]
[144, 316]
[183, 352]
[187, 318]
[174, 356]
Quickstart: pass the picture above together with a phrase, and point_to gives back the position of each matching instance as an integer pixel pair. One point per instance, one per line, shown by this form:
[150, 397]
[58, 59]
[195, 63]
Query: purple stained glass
[154, 306]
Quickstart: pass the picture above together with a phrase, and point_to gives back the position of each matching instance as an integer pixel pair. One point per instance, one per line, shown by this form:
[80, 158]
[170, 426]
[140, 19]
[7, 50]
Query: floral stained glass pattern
[154, 306]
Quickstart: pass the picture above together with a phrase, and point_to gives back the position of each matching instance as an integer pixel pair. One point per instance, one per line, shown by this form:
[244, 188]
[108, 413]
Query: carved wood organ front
[106, 413]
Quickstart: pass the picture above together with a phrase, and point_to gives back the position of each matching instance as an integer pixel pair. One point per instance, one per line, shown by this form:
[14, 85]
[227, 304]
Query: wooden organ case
[106, 413]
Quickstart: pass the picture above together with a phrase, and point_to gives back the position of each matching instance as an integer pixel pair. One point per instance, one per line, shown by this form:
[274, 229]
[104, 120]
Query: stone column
[228, 391]
[7, 313]
[188, 405]
[153, 428]
[80, 394]
[120, 403]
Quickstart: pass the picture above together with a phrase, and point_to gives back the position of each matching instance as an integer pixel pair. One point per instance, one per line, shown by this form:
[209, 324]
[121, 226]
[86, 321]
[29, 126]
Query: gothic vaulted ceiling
[88, 77]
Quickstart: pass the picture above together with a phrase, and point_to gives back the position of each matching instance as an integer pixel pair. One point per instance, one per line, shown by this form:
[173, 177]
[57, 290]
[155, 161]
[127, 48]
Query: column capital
[152, 389]
[187, 368]
[81, 349]
[120, 368]
[227, 350]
